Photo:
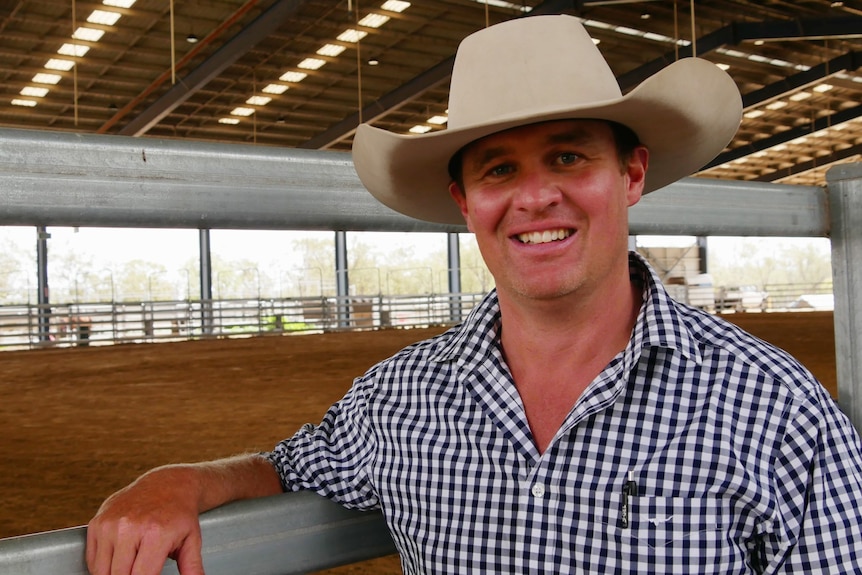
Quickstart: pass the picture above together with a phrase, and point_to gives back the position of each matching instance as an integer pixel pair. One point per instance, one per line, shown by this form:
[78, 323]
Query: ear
[636, 174]
[461, 199]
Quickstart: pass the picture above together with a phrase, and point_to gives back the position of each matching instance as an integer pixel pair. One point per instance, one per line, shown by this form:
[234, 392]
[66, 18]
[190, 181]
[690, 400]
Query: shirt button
[538, 490]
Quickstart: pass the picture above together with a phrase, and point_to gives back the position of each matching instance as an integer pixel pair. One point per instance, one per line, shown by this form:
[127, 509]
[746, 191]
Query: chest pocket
[675, 535]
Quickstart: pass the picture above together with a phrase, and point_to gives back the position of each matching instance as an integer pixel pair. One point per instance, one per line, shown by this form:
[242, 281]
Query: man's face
[548, 204]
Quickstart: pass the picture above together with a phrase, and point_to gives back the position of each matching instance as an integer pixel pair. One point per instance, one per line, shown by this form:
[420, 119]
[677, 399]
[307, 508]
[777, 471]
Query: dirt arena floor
[77, 424]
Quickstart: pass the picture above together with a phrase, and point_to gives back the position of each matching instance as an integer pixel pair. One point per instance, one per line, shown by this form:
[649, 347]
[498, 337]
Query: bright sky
[110, 247]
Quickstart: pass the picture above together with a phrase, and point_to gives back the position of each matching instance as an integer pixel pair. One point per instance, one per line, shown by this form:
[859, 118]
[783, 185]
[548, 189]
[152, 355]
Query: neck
[582, 331]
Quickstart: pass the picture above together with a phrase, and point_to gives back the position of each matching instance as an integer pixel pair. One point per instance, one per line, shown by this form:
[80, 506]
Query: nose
[537, 191]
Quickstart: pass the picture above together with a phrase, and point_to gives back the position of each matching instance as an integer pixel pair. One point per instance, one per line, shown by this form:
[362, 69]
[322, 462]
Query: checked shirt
[742, 462]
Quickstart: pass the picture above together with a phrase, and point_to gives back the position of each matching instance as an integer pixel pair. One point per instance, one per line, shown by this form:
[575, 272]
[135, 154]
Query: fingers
[123, 548]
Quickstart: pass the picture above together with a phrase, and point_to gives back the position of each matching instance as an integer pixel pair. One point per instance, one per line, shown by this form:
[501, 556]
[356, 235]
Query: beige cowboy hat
[544, 68]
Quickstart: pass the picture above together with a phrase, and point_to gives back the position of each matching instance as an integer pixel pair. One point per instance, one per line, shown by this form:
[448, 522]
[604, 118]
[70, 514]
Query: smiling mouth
[544, 237]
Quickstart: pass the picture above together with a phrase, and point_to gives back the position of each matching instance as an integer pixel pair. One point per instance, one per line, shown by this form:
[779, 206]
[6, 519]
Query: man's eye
[500, 170]
[567, 158]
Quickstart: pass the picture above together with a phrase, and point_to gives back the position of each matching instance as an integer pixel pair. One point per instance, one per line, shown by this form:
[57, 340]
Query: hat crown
[495, 78]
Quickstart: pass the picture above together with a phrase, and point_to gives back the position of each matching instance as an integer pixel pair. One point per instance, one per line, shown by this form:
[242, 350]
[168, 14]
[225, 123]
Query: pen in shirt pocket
[630, 489]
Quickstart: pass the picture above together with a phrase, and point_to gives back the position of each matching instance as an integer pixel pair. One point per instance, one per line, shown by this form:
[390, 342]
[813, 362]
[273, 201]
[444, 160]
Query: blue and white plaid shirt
[742, 462]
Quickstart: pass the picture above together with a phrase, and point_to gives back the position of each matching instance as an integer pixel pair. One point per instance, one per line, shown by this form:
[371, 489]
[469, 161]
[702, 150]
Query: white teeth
[544, 237]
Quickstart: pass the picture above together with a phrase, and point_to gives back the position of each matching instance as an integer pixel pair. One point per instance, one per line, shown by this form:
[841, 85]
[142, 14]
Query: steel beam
[845, 202]
[787, 135]
[410, 90]
[263, 26]
[285, 534]
[62, 179]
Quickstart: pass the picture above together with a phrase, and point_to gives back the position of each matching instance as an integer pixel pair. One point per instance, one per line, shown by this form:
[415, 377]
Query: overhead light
[258, 101]
[192, 39]
[799, 96]
[724, 67]
[373, 61]
[25, 103]
[822, 88]
[420, 129]
[60, 64]
[119, 3]
[242, 111]
[374, 20]
[754, 114]
[104, 17]
[88, 34]
[351, 35]
[331, 50]
[395, 5]
[293, 77]
[646, 16]
[312, 64]
[42, 78]
[77, 50]
[438, 120]
[777, 105]
[34, 91]
[231, 121]
[275, 89]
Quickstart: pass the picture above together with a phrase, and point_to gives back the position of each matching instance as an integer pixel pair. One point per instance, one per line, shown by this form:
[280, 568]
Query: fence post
[844, 185]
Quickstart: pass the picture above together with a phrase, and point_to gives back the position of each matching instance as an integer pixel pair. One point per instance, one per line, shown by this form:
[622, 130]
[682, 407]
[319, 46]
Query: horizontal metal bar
[285, 534]
[64, 179]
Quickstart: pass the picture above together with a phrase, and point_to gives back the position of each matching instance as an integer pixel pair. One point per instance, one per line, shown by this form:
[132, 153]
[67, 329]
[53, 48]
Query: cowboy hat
[543, 68]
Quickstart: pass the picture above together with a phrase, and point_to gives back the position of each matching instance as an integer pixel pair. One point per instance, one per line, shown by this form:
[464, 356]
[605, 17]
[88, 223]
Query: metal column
[342, 281]
[43, 298]
[453, 256]
[206, 277]
[845, 203]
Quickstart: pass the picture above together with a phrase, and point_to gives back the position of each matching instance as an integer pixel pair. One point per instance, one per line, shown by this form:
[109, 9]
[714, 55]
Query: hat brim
[685, 115]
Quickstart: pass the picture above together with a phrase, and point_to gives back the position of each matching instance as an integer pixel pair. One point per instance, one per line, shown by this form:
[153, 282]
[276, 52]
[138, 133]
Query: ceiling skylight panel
[59, 64]
[258, 101]
[230, 121]
[103, 17]
[242, 111]
[374, 20]
[352, 36]
[293, 77]
[119, 3]
[88, 34]
[275, 89]
[77, 50]
[25, 103]
[34, 92]
[395, 5]
[331, 50]
[42, 78]
[312, 64]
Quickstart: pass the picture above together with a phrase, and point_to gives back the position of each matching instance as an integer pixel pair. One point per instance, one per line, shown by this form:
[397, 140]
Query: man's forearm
[215, 483]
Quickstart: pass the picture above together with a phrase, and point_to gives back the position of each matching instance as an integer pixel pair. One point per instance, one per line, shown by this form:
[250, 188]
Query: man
[579, 420]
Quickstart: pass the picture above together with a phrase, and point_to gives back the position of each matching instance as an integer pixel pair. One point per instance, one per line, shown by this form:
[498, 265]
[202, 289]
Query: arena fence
[57, 179]
[101, 323]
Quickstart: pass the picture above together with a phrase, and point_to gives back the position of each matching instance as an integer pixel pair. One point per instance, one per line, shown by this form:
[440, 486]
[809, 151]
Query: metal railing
[30, 326]
[311, 533]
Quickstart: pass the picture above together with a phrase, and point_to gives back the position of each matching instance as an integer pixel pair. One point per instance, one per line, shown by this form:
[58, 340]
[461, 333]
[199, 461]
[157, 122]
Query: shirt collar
[662, 322]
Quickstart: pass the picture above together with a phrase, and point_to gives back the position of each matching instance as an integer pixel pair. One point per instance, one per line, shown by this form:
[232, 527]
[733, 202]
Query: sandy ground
[77, 424]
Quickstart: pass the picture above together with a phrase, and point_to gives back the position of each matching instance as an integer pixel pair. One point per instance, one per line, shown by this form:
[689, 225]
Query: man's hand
[140, 526]
[156, 517]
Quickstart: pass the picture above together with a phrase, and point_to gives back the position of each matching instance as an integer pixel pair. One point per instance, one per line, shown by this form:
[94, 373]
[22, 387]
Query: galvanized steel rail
[284, 534]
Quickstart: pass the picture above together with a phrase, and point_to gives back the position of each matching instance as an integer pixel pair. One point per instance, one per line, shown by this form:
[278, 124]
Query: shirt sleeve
[333, 458]
[817, 480]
